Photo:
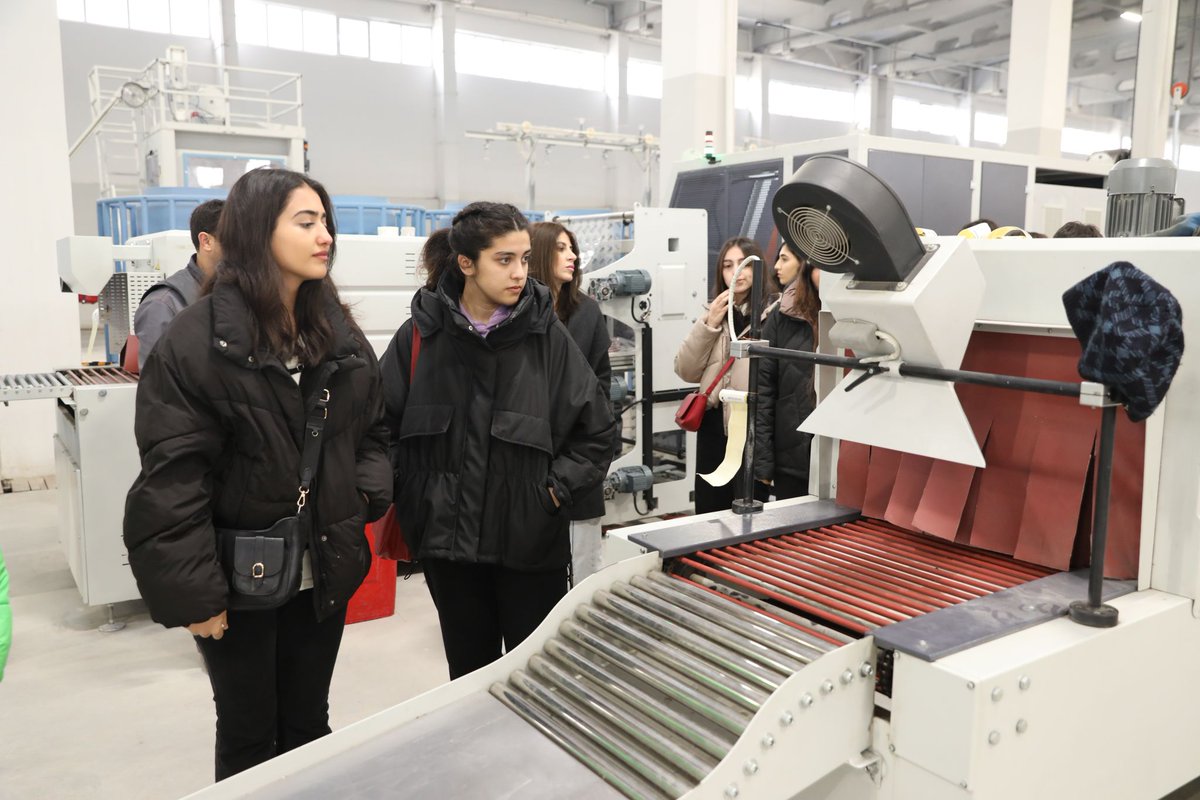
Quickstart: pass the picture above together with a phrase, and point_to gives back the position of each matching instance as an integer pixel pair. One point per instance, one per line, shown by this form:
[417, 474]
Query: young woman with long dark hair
[554, 260]
[498, 426]
[703, 354]
[222, 406]
[786, 395]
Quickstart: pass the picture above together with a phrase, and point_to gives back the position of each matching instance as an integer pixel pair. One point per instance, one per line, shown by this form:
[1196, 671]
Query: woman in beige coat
[703, 354]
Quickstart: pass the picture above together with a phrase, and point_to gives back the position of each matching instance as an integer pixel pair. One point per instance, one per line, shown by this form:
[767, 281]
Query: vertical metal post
[648, 411]
[746, 504]
[1094, 613]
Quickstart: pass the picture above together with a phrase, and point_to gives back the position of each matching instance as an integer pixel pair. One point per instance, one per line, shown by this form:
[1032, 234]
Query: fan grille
[819, 235]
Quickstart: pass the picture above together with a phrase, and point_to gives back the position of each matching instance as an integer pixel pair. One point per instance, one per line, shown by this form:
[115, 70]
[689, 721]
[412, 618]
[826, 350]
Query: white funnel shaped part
[905, 414]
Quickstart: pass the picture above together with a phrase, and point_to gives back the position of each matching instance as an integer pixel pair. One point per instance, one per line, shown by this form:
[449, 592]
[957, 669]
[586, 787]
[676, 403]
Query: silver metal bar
[725, 612]
[718, 681]
[565, 711]
[731, 661]
[745, 575]
[598, 670]
[739, 642]
[738, 593]
[689, 693]
[735, 618]
[612, 772]
[685, 759]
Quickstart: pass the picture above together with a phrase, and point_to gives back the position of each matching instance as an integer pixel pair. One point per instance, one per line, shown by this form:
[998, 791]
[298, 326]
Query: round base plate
[1093, 616]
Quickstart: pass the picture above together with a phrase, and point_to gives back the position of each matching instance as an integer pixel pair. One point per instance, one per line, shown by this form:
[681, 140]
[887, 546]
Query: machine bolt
[786, 718]
[891, 748]
[866, 670]
[731, 791]
[994, 737]
[1022, 726]
[997, 694]
[806, 700]
[768, 741]
[826, 687]
[83, 412]
[847, 677]
[750, 767]
[962, 784]
[104, 392]
[1024, 682]
[970, 684]
[901, 286]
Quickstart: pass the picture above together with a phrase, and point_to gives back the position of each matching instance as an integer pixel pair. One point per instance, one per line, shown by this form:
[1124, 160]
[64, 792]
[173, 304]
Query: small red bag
[691, 411]
[389, 540]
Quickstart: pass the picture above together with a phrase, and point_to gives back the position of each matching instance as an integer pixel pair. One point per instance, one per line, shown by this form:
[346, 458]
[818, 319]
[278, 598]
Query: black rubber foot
[747, 506]
[1093, 616]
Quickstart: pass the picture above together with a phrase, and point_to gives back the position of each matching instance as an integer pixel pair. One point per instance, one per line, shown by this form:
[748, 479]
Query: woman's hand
[718, 309]
[554, 497]
[214, 627]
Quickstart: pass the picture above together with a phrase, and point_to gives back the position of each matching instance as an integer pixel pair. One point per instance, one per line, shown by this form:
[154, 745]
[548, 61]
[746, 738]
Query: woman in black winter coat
[554, 260]
[221, 410]
[786, 395]
[498, 425]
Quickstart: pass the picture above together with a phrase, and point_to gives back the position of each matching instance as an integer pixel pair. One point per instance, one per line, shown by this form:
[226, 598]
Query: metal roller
[568, 713]
[820, 635]
[693, 728]
[594, 758]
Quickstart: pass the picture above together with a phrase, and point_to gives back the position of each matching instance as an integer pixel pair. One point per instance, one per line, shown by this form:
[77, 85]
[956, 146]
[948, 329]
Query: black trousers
[486, 610]
[710, 452]
[270, 677]
[787, 486]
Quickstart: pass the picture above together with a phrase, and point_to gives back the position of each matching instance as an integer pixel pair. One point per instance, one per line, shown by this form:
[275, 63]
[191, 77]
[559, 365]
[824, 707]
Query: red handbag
[691, 411]
[389, 540]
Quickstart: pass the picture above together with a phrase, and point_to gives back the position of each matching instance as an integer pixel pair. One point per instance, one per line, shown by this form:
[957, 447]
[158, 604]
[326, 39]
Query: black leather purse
[263, 567]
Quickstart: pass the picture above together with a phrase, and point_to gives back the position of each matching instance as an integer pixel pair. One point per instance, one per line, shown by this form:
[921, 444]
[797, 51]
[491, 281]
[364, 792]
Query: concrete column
[1039, 57]
[39, 325]
[449, 125]
[883, 92]
[699, 48]
[760, 85]
[1152, 83]
[227, 53]
[616, 89]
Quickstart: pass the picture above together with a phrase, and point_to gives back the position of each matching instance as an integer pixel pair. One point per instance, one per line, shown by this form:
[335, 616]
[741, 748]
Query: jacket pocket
[424, 442]
[535, 535]
[522, 447]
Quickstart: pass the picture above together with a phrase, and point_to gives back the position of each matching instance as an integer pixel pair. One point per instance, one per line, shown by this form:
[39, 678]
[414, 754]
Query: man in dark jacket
[164, 300]
[494, 438]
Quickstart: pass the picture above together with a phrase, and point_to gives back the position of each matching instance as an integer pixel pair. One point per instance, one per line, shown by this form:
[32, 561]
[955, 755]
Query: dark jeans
[710, 452]
[270, 676]
[486, 610]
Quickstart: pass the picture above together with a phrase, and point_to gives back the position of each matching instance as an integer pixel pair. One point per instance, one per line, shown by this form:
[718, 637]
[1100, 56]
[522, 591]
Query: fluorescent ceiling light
[1132, 16]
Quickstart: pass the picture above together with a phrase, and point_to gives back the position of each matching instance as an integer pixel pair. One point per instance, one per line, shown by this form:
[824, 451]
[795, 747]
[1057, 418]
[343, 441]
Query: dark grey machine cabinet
[1002, 193]
[935, 190]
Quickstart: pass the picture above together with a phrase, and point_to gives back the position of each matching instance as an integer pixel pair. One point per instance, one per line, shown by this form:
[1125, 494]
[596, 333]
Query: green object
[5, 617]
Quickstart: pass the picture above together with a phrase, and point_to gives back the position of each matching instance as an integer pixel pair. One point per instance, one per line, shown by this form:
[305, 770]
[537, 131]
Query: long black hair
[543, 254]
[245, 230]
[472, 231]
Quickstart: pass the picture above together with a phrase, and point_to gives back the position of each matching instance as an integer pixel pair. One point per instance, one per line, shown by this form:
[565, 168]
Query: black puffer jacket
[486, 426]
[587, 328]
[219, 428]
[786, 396]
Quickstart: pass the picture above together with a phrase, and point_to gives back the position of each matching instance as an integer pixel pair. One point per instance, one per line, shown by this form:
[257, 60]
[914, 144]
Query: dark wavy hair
[543, 243]
[749, 247]
[245, 229]
[472, 231]
[808, 296]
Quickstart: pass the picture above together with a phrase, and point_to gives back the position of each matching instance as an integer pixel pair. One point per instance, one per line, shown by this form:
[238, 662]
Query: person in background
[221, 412]
[1078, 230]
[786, 395]
[498, 426]
[702, 356]
[165, 299]
[5, 617]
[554, 260]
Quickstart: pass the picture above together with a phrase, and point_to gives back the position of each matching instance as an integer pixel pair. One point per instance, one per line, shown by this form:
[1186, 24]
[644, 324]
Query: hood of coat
[233, 329]
[433, 310]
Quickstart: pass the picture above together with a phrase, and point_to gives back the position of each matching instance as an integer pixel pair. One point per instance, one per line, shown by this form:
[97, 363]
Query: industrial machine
[909, 641]
[1141, 197]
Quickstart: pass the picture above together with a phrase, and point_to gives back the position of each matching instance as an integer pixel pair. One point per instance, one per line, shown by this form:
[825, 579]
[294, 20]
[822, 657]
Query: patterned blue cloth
[1131, 329]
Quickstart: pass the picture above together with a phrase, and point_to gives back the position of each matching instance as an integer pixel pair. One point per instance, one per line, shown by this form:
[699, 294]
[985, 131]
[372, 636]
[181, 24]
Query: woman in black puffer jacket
[498, 425]
[221, 409]
[786, 395]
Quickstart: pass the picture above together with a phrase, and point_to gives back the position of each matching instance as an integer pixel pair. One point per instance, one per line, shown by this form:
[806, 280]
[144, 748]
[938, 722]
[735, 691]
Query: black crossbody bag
[263, 567]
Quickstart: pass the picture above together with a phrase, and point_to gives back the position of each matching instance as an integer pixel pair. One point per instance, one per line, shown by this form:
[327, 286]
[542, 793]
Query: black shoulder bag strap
[314, 431]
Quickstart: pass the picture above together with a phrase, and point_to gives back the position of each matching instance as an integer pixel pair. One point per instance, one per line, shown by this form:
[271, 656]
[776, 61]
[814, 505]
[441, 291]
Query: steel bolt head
[847, 677]
[731, 791]
[750, 767]
[1022, 726]
[891, 748]
[806, 700]
[104, 392]
[83, 412]
[768, 741]
[866, 670]
[970, 684]
[997, 694]
[786, 718]
[1024, 682]
[994, 737]
[826, 687]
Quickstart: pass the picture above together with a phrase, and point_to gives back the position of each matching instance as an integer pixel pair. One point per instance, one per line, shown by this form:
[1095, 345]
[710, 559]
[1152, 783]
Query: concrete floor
[129, 715]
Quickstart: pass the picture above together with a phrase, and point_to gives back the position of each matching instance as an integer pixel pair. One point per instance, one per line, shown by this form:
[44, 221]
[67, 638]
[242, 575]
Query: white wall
[38, 323]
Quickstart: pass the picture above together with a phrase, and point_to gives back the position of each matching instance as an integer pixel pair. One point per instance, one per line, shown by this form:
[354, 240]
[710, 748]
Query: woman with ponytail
[497, 425]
